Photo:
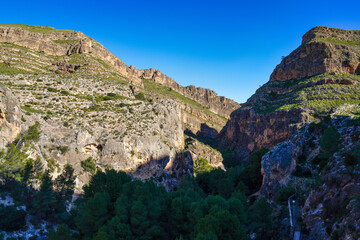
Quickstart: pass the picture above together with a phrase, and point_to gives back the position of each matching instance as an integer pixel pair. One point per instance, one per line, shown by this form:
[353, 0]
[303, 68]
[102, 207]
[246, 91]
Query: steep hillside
[37, 49]
[321, 74]
[306, 122]
[89, 105]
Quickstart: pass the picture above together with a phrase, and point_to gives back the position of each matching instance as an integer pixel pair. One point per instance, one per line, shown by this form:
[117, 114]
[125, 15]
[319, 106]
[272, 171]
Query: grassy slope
[26, 61]
[157, 88]
[39, 29]
[306, 96]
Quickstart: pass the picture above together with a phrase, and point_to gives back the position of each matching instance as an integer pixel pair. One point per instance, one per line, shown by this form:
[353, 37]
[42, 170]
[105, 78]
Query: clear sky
[230, 47]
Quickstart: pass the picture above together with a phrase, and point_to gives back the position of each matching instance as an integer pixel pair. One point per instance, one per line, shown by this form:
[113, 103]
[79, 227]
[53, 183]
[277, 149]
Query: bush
[11, 219]
[64, 92]
[62, 232]
[202, 166]
[352, 158]
[50, 89]
[33, 133]
[140, 96]
[284, 194]
[229, 161]
[329, 142]
[63, 149]
[89, 165]
[12, 163]
[252, 176]
[301, 171]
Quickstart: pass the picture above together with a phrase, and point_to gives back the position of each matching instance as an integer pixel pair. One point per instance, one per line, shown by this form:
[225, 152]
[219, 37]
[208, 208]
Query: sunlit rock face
[10, 117]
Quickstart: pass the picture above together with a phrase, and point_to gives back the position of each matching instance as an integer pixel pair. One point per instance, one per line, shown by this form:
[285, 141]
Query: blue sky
[230, 47]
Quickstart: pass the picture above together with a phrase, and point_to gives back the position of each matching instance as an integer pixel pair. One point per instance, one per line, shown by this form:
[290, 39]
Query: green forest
[212, 204]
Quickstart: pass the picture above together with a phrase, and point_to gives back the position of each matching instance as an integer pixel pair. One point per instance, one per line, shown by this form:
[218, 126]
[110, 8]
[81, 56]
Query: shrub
[33, 133]
[301, 171]
[330, 140]
[63, 149]
[140, 96]
[284, 194]
[12, 163]
[50, 89]
[89, 165]
[252, 176]
[229, 161]
[352, 158]
[51, 165]
[11, 219]
[202, 166]
[63, 92]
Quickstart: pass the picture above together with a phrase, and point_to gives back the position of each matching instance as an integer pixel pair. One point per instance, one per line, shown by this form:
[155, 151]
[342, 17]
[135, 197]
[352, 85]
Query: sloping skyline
[230, 47]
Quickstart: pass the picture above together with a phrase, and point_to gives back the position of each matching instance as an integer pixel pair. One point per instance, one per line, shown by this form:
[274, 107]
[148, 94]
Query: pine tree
[65, 184]
[28, 172]
[38, 168]
[139, 221]
[12, 163]
[44, 200]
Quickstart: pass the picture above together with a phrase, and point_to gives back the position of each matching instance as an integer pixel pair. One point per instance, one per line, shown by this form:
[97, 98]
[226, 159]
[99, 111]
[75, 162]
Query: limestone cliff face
[322, 50]
[65, 43]
[247, 131]
[206, 97]
[10, 117]
[319, 75]
[145, 139]
[60, 43]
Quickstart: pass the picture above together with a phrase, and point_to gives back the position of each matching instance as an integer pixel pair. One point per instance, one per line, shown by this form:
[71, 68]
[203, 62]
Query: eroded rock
[10, 117]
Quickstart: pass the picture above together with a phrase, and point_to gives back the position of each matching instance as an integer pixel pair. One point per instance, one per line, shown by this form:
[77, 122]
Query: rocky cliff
[206, 97]
[320, 161]
[323, 50]
[322, 73]
[75, 47]
[308, 116]
[10, 115]
[116, 132]
[89, 105]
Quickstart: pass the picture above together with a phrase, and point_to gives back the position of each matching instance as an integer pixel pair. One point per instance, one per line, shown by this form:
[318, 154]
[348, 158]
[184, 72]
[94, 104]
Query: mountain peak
[323, 33]
[323, 50]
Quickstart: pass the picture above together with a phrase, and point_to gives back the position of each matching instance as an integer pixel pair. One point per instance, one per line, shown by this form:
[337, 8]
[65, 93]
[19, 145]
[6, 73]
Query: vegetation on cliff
[212, 205]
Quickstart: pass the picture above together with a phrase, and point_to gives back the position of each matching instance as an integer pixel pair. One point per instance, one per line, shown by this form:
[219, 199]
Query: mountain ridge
[318, 76]
[60, 42]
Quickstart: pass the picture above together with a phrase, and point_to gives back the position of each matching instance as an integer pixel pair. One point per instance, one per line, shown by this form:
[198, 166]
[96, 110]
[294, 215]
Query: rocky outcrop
[197, 150]
[326, 192]
[247, 131]
[206, 97]
[208, 132]
[62, 67]
[145, 155]
[10, 117]
[61, 43]
[323, 50]
[277, 165]
[297, 87]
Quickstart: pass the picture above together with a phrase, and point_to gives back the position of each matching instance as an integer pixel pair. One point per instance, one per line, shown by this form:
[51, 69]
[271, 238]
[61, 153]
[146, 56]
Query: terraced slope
[36, 49]
[321, 74]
